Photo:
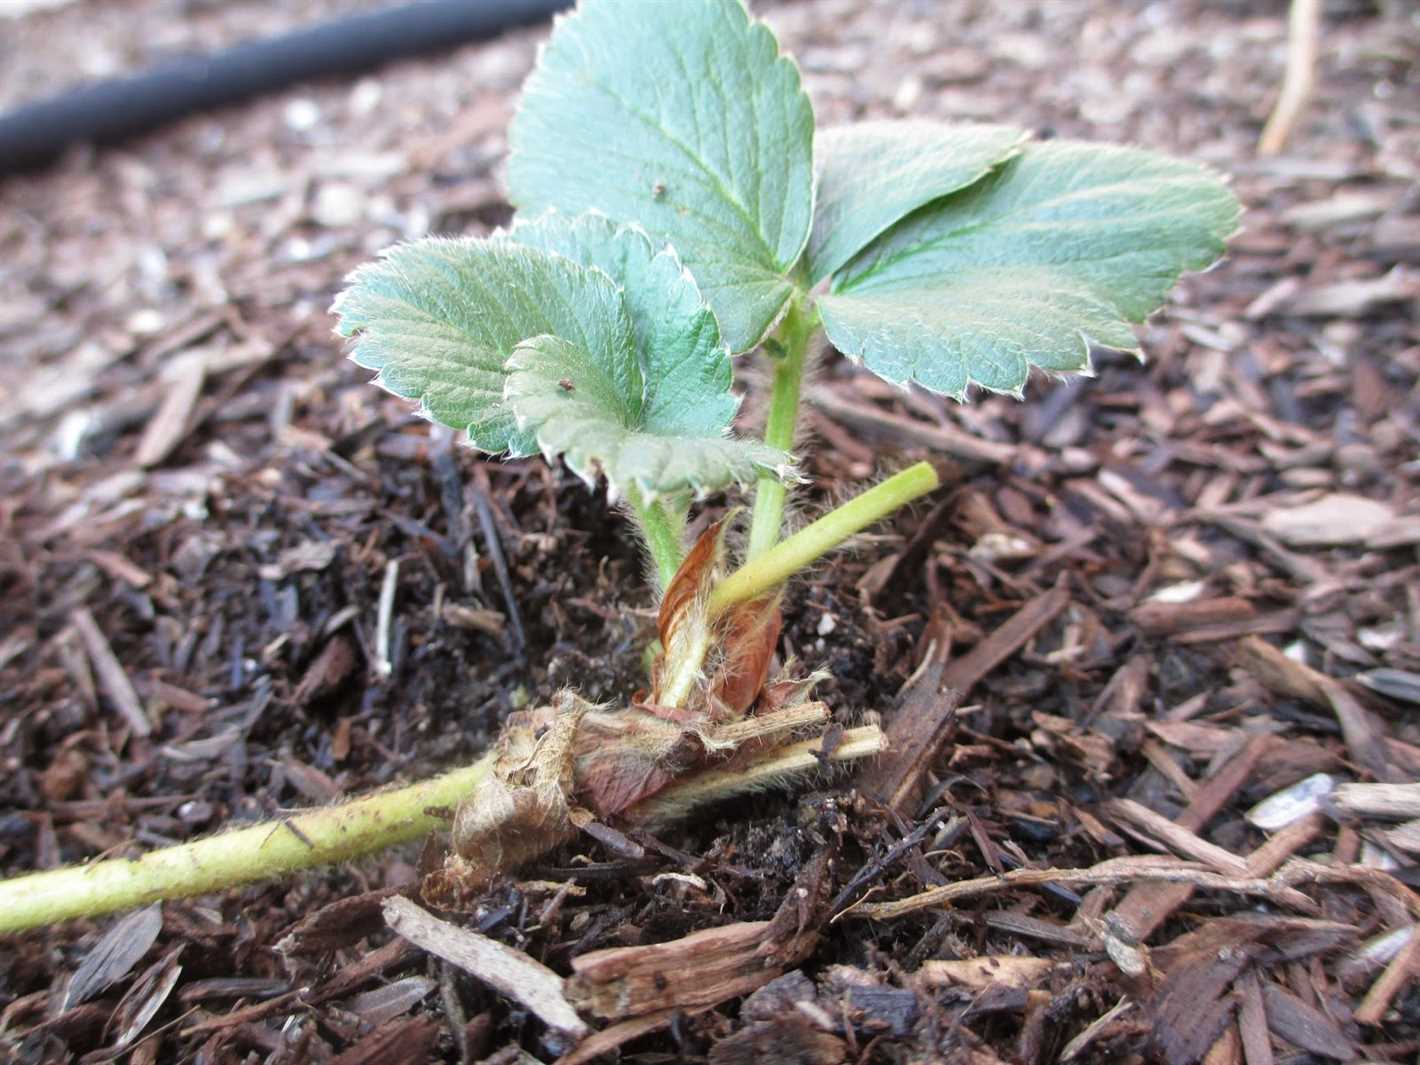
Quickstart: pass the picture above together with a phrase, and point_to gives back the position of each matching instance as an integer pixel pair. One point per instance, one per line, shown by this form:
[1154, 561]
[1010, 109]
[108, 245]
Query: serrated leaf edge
[665, 248]
[801, 96]
[786, 471]
[1086, 368]
[1026, 137]
[963, 396]
[356, 353]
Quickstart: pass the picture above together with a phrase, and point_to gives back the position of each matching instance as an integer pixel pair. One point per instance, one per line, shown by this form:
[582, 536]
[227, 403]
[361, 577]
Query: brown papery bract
[748, 634]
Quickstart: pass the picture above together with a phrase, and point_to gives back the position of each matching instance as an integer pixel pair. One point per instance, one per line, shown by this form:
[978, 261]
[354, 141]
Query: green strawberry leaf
[438, 318]
[578, 407]
[687, 368]
[1063, 245]
[685, 119]
[873, 174]
[575, 337]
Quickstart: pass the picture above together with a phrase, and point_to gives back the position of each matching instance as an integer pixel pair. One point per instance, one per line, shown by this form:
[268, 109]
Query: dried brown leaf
[524, 807]
[748, 634]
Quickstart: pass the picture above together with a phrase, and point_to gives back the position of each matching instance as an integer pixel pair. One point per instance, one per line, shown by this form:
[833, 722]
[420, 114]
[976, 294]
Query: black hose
[108, 111]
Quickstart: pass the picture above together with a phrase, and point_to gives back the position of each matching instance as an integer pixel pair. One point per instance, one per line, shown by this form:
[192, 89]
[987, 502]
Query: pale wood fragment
[1177, 838]
[698, 970]
[1403, 968]
[502, 968]
[167, 427]
[1003, 970]
[113, 679]
[1387, 801]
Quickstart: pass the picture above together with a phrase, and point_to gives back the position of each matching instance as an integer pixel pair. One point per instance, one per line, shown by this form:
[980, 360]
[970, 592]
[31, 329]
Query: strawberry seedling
[677, 211]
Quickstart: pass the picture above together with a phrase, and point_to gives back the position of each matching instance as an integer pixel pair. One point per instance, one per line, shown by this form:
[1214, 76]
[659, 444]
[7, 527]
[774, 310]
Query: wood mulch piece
[1150, 662]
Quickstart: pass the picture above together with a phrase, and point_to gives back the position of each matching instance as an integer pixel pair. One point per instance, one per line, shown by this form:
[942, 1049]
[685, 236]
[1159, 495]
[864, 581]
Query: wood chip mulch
[1150, 663]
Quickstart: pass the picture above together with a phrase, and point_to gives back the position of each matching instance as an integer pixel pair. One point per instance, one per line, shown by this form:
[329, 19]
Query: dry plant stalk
[1303, 39]
[1113, 871]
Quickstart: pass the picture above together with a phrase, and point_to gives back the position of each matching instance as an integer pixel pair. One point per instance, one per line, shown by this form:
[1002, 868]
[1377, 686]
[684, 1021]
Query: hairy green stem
[771, 767]
[361, 827]
[772, 568]
[662, 530]
[263, 852]
[792, 338]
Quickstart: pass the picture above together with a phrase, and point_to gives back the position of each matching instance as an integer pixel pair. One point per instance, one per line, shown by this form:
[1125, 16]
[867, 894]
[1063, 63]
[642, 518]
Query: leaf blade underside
[437, 319]
[685, 364]
[1065, 244]
[570, 403]
[873, 174]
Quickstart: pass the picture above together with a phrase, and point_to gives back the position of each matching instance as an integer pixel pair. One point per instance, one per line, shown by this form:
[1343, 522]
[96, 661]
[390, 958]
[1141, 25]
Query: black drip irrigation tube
[109, 111]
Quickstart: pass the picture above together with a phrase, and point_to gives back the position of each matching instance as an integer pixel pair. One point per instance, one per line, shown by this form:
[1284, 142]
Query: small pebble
[338, 204]
[302, 114]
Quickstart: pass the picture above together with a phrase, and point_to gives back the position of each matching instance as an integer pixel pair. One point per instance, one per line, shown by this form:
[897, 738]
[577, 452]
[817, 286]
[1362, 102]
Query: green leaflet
[686, 367]
[872, 174]
[438, 319]
[1065, 244]
[684, 119]
[576, 405]
[570, 336]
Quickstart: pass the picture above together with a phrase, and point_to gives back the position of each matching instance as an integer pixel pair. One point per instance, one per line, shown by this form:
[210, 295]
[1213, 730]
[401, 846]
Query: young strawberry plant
[676, 212]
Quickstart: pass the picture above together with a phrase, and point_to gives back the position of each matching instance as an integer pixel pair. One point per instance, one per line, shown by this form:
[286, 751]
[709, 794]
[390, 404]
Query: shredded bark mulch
[1149, 663]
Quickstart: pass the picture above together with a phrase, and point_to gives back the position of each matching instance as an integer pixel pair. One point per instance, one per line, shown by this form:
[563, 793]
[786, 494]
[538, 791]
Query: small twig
[1403, 968]
[1094, 1029]
[1303, 871]
[112, 677]
[1303, 35]
[255, 1012]
[1146, 906]
[494, 546]
[1177, 838]
[1114, 871]
[383, 666]
[1283, 844]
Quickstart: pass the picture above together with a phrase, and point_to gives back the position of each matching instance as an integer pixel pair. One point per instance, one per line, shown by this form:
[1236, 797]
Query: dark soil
[231, 543]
